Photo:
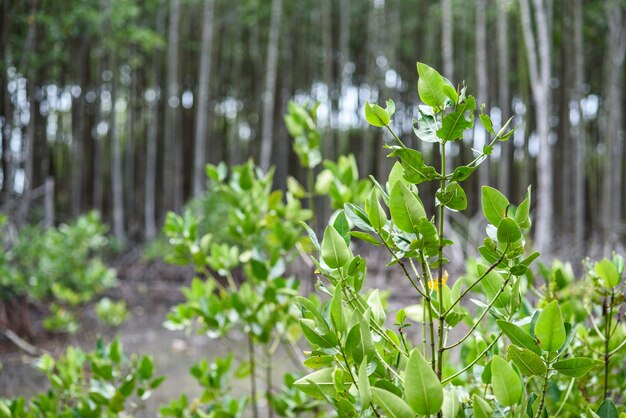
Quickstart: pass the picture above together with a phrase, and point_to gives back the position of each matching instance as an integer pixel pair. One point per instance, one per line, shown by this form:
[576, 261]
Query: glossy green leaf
[491, 284]
[455, 123]
[508, 231]
[519, 337]
[318, 383]
[364, 386]
[522, 214]
[415, 170]
[453, 197]
[575, 366]
[342, 226]
[375, 212]
[550, 329]
[335, 252]
[336, 309]
[430, 86]
[529, 363]
[481, 407]
[606, 270]
[328, 340]
[507, 386]
[422, 389]
[376, 115]
[393, 405]
[607, 410]
[494, 205]
[406, 208]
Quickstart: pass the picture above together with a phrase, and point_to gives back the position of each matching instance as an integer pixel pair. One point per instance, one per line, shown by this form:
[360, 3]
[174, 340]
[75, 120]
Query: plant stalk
[440, 347]
[253, 392]
[544, 389]
[268, 388]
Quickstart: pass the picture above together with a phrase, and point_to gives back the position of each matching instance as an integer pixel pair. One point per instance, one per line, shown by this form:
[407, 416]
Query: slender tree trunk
[172, 157]
[202, 113]
[78, 136]
[612, 188]
[504, 96]
[152, 137]
[482, 88]
[117, 182]
[447, 39]
[539, 63]
[327, 59]
[6, 111]
[344, 58]
[578, 133]
[269, 96]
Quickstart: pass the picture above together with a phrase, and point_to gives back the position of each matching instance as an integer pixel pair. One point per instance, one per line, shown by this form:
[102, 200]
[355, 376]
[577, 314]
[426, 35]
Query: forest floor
[151, 289]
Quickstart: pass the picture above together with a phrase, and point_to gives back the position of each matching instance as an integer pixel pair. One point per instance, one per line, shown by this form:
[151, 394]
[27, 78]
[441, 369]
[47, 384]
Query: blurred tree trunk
[78, 135]
[539, 63]
[447, 36]
[117, 182]
[5, 102]
[482, 88]
[344, 59]
[152, 135]
[269, 95]
[327, 59]
[578, 131]
[504, 96]
[234, 148]
[173, 147]
[612, 176]
[370, 136]
[202, 113]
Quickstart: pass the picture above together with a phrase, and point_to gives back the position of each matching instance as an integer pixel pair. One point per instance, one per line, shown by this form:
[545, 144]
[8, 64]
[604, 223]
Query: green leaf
[336, 309]
[335, 252]
[519, 337]
[375, 212]
[463, 172]
[453, 197]
[364, 236]
[364, 386]
[342, 226]
[607, 410]
[455, 123]
[486, 122]
[392, 404]
[430, 86]
[376, 305]
[507, 386]
[481, 407]
[550, 329]
[406, 208]
[491, 285]
[508, 231]
[328, 340]
[522, 214]
[575, 366]
[312, 236]
[450, 407]
[318, 383]
[425, 128]
[494, 205]
[422, 388]
[529, 363]
[391, 107]
[415, 170]
[606, 270]
[376, 115]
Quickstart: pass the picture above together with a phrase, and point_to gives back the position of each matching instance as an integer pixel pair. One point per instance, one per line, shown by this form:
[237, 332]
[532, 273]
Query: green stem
[310, 196]
[395, 136]
[440, 347]
[431, 324]
[268, 389]
[544, 389]
[569, 391]
[253, 392]
[607, 338]
[480, 318]
[469, 366]
[466, 291]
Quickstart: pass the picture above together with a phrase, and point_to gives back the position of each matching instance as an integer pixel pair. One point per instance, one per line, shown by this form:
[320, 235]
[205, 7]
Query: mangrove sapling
[364, 368]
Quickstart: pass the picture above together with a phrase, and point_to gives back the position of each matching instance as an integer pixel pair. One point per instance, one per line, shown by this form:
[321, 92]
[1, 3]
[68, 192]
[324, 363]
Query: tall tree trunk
[612, 178]
[6, 111]
[327, 67]
[78, 136]
[152, 136]
[202, 113]
[539, 63]
[344, 58]
[269, 95]
[173, 147]
[578, 133]
[117, 182]
[447, 39]
[504, 96]
[482, 88]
